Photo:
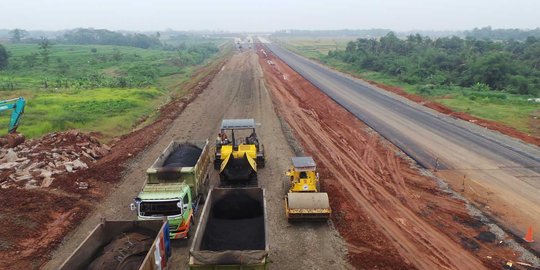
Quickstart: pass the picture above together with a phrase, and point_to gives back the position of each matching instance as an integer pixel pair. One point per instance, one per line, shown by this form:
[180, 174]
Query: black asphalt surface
[361, 99]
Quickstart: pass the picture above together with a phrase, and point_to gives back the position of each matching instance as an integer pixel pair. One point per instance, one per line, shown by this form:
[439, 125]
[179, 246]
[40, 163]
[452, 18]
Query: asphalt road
[505, 168]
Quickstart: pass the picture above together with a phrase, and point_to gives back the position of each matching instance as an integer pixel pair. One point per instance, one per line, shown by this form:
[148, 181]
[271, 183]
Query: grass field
[509, 109]
[107, 89]
[314, 48]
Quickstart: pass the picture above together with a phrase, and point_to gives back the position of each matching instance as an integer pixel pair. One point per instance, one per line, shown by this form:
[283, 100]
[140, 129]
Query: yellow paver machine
[239, 157]
[303, 199]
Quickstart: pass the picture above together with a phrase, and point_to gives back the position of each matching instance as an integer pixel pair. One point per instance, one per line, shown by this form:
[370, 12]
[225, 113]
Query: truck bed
[232, 229]
[185, 155]
[180, 157]
[137, 239]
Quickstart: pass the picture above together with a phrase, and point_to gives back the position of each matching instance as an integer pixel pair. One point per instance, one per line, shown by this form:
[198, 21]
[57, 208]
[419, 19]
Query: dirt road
[237, 91]
[401, 218]
[500, 172]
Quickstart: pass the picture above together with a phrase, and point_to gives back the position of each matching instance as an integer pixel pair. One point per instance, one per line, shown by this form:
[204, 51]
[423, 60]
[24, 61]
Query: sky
[268, 16]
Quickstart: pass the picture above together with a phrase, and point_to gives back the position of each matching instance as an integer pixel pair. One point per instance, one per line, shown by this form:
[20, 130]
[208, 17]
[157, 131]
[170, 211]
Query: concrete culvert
[186, 155]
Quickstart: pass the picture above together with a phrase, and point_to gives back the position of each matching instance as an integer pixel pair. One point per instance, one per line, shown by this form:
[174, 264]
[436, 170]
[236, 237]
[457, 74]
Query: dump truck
[237, 157]
[232, 231]
[177, 183]
[123, 245]
[303, 199]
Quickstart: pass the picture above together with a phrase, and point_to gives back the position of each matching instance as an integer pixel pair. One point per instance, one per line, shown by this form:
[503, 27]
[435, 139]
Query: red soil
[35, 221]
[391, 215]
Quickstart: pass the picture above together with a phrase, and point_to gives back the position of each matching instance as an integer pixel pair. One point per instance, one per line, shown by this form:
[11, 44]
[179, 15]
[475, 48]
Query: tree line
[512, 66]
[86, 36]
[502, 34]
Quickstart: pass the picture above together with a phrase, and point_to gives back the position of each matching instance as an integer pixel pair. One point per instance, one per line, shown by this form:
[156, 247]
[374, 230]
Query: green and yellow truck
[176, 185]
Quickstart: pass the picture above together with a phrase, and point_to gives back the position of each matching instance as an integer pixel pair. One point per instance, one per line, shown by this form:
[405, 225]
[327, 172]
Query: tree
[30, 60]
[17, 34]
[351, 47]
[117, 55]
[44, 46]
[3, 57]
[493, 69]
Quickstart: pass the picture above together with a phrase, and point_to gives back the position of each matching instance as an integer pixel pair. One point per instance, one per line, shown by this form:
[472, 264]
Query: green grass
[110, 111]
[79, 60]
[314, 48]
[88, 102]
[510, 109]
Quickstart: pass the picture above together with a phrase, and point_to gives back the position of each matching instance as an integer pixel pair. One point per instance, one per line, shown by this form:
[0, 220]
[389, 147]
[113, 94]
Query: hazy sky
[261, 15]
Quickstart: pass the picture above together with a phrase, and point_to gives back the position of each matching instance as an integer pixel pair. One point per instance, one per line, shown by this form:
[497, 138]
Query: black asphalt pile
[186, 155]
[238, 170]
[35, 163]
[235, 223]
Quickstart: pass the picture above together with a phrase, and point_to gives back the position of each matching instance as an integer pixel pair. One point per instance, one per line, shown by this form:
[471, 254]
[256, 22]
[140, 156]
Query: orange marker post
[529, 236]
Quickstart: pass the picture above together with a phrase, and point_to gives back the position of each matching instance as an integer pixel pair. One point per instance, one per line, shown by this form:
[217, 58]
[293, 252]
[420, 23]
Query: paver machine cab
[237, 157]
[303, 199]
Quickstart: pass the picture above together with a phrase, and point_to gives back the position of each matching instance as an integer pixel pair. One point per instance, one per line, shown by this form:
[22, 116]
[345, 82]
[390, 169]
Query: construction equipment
[303, 199]
[177, 183]
[238, 159]
[123, 245]
[17, 105]
[232, 231]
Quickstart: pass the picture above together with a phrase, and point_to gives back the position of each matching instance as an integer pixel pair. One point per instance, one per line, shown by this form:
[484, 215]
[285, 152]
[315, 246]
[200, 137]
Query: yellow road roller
[303, 199]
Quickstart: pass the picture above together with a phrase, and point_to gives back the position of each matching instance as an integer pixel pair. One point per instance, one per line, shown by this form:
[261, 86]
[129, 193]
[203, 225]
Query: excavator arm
[17, 106]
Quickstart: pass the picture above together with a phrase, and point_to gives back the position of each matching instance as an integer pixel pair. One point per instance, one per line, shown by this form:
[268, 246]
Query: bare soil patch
[391, 215]
[36, 220]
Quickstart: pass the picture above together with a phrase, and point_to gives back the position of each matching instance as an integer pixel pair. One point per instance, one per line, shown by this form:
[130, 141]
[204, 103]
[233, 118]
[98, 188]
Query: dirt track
[401, 218]
[391, 216]
[237, 91]
[501, 173]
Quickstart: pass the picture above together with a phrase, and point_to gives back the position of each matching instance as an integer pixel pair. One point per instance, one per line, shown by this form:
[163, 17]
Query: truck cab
[177, 183]
[173, 201]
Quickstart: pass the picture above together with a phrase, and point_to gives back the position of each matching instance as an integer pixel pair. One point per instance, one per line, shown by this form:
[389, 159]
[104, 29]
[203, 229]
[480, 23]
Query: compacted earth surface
[237, 91]
[387, 212]
[401, 217]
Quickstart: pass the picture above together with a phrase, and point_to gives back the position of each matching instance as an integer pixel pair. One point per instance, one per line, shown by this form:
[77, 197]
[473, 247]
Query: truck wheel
[260, 162]
[202, 198]
[191, 225]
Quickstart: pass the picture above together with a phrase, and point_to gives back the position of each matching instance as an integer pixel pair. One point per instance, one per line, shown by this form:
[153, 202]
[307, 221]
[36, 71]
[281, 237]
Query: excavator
[238, 158]
[17, 106]
[303, 199]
